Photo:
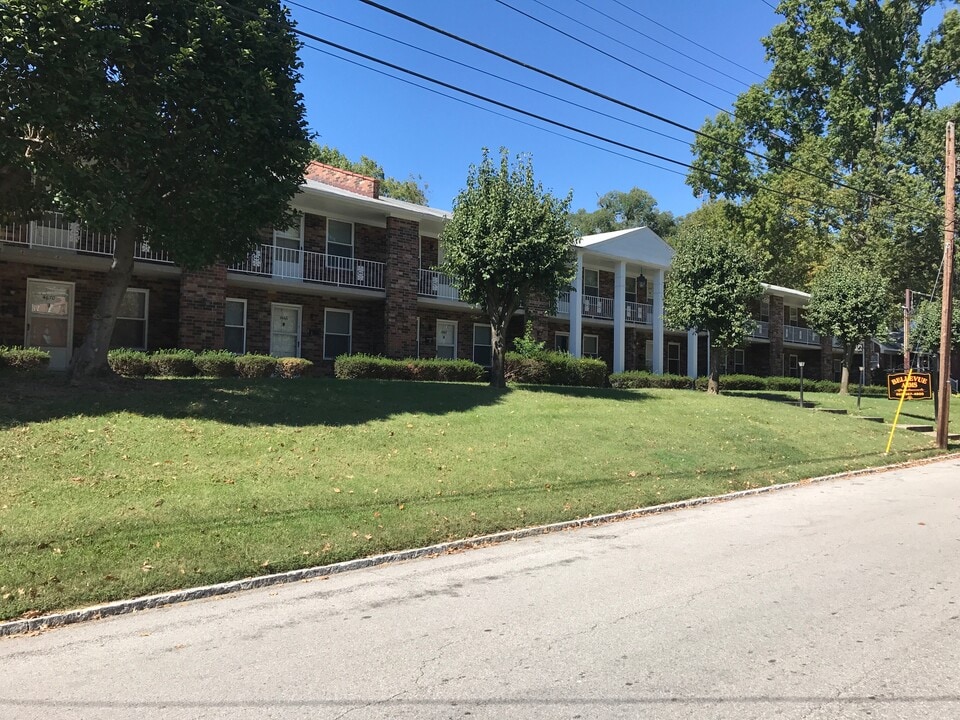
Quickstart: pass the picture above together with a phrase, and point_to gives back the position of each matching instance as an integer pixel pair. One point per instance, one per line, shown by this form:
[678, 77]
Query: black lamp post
[860, 389]
[801, 364]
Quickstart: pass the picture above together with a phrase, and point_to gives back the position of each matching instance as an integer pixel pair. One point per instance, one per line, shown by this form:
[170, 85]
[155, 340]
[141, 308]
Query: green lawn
[134, 487]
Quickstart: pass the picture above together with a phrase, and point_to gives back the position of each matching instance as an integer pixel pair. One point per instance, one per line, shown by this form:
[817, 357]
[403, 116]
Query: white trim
[418, 337]
[490, 330]
[560, 334]
[353, 234]
[349, 336]
[584, 285]
[285, 234]
[243, 327]
[456, 332]
[597, 339]
[671, 345]
[299, 308]
[145, 318]
[55, 362]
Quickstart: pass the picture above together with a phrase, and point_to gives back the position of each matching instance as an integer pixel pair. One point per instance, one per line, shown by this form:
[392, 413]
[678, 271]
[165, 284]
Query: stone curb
[122, 607]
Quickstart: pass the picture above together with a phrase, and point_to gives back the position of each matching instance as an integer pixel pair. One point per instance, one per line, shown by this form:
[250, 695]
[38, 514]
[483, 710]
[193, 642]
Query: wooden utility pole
[946, 316]
[907, 309]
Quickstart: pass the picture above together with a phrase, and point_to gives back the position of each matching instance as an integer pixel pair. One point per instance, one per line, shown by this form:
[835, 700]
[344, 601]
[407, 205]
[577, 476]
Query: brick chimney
[343, 179]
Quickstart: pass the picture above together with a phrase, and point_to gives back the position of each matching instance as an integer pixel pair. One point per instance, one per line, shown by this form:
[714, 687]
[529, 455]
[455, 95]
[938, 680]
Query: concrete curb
[122, 607]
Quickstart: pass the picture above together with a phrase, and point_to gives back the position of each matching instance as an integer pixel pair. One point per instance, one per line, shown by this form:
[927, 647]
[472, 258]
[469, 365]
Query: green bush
[18, 358]
[355, 367]
[215, 363]
[173, 363]
[129, 363]
[293, 367]
[255, 366]
[644, 379]
[555, 368]
[742, 382]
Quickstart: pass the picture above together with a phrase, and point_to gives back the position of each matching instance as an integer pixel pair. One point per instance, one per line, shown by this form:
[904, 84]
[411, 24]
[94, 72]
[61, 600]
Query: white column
[658, 321]
[619, 316]
[692, 347]
[576, 309]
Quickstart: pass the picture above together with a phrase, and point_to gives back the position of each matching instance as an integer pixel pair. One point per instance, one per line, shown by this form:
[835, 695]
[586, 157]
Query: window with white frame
[290, 235]
[339, 238]
[765, 310]
[793, 365]
[591, 282]
[561, 342]
[738, 361]
[235, 325]
[446, 339]
[482, 345]
[130, 330]
[794, 317]
[631, 292]
[418, 337]
[337, 333]
[673, 358]
[591, 346]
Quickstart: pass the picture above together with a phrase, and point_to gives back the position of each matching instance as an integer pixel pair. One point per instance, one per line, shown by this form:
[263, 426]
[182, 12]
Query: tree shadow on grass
[302, 402]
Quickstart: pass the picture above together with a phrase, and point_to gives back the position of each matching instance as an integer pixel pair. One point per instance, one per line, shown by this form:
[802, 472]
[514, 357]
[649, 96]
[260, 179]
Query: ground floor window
[337, 333]
[446, 339]
[482, 345]
[561, 342]
[738, 361]
[793, 366]
[837, 370]
[130, 330]
[591, 346]
[673, 358]
[235, 325]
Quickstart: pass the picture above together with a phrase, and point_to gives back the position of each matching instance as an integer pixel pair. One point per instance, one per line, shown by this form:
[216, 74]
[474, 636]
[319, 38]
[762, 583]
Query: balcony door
[52, 231]
[49, 320]
[288, 252]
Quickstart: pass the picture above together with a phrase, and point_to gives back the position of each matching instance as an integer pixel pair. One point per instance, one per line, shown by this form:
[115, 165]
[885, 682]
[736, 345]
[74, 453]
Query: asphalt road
[834, 600]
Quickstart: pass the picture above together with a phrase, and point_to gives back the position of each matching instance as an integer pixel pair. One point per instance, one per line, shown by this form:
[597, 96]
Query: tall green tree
[619, 210]
[925, 335]
[849, 301]
[852, 95]
[176, 124]
[710, 286]
[508, 240]
[413, 189]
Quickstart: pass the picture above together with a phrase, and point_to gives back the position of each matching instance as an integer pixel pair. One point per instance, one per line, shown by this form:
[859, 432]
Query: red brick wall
[202, 295]
[402, 275]
[369, 242]
[429, 253]
[606, 284]
[343, 179]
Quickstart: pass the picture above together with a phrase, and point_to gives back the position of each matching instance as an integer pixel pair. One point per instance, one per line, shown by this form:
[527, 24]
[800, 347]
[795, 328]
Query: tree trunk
[498, 368]
[91, 358]
[713, 384]
[845, 372]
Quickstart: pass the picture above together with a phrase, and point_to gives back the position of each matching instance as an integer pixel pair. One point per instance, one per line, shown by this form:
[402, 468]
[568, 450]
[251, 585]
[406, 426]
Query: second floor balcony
[435, 284]
[273, 261]
[600, 308]
[800, 335]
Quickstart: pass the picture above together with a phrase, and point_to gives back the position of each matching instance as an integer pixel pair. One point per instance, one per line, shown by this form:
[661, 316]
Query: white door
[285, 331]
[287, 258]
[446, 339]
[49, 320]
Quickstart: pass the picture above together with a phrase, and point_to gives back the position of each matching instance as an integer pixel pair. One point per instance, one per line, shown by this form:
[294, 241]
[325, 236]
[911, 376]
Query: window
[418, 337]
[673, 358]
[591, 282]
[235, 325]
[837, 370]
[339, 238]
[446, 339]
[591, 346]
[631, 296]
[795, 317]
[337, 333]
[738, 361]
[130, 330]
[793, 366]
[482, 345]
[765, 310]
[561, 342]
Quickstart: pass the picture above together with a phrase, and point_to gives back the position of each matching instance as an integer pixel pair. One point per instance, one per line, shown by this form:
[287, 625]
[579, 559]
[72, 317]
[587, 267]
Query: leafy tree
[508, 239]
[851, 95]
[176, 124]
[849, 301]
[618, 210]
[413, 189]
[925, 335]
[710, 286]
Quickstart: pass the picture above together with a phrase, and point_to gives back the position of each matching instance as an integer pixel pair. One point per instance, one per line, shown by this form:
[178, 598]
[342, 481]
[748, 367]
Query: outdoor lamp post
[860, 389]
[801, 364]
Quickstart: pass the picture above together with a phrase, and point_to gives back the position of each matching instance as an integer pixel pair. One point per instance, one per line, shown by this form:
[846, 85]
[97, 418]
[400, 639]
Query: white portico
[633, 253]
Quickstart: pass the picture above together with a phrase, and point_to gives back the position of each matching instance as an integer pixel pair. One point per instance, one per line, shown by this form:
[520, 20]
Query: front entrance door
[285, 330]
[49, 320]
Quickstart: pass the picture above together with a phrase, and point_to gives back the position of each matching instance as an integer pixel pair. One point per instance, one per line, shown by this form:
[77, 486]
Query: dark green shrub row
[355, 367]
[555, 368]
[644, 379]
[212, 363]
[19, 358]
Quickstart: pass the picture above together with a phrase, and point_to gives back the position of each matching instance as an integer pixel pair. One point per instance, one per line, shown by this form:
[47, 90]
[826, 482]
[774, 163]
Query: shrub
[354, 367]
[129, 363]
[293, 367]
[173, 363]
[526, 346]
[555, 368]
[644, 379]
[19, 358]
[742, 382]
[255, 366]
[216, 363]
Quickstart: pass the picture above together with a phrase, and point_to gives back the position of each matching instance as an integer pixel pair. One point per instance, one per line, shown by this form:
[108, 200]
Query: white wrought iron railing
[761, 329]
[437, 285]
[598, 307]
[639, 313]
[800, 335]
[56, 232]
[307, 266]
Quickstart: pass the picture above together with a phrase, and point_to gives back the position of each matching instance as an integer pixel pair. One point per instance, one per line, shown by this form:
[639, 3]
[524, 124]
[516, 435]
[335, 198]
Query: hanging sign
[919, 386]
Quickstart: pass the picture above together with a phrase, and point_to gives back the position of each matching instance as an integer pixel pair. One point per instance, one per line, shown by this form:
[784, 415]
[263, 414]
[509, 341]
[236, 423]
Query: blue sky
[410, 130]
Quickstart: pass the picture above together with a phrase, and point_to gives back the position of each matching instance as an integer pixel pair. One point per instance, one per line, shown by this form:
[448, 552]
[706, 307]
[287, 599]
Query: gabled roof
[634, 245]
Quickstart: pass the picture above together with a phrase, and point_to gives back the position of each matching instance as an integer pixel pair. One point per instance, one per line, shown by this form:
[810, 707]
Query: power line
[768, 4]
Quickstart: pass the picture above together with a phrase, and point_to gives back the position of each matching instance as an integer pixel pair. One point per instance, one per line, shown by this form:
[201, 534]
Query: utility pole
[946, 316]
[907, 309]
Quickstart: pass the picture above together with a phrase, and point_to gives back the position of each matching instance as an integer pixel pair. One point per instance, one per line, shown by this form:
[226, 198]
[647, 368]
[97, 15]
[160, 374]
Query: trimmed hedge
[644, 379]
[555, 368]
[129, 363]
[774, 383]
[374, 367]
[216, 363]
[255, 366]
[293, 367]
[173, 363]
[19, 358]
